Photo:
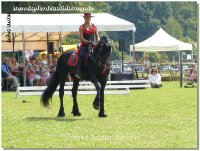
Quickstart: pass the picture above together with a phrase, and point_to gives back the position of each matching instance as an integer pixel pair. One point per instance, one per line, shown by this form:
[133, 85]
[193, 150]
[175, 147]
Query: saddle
[73, 59]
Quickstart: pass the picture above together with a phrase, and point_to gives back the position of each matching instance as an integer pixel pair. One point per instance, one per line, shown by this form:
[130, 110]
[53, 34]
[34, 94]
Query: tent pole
[13, 39]
[60, 42]
[23, 52]
[122, 62]
[48, 44]
[192, 57]
[181, 68]
[133, 57]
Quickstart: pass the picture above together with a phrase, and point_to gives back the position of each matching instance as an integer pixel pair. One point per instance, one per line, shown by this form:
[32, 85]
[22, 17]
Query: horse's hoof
[103, 115]
[76, 114]
[61, 115]
[96, 107]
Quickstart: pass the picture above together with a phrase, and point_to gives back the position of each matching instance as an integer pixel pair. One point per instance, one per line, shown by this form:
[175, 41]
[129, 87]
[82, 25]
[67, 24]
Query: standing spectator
[44, 58]
[138, 59]
[45, 73]
[155, 79]
[21, 74]
[31, 74]
[52, 67]
[30, 71]
[38, 71]
[38, 62]
[50, 62]
[6, 72]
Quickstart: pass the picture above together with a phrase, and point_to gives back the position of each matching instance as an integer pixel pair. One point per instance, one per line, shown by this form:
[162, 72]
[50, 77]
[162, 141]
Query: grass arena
[147, 118]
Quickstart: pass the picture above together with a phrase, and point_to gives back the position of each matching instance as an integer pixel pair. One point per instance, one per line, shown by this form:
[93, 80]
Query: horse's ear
[108, 39]
[107, 45]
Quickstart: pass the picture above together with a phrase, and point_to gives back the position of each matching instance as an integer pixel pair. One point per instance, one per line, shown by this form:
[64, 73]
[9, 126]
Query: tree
[163, 58]
[174, 28]
[153, 56]
[116, 54]
[71, 40]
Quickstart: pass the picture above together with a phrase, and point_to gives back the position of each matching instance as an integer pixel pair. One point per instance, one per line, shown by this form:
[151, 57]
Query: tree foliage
[177, 18]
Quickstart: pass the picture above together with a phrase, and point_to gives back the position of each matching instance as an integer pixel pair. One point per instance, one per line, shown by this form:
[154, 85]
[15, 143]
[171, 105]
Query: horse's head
[103, 49]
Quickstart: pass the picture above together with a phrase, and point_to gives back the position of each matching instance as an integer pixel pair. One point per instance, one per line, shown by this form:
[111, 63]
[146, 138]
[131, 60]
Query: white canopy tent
[161, 41]
[64, 22]
[35, 26]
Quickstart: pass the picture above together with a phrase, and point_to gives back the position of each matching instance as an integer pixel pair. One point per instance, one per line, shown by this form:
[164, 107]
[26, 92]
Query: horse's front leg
[61, 94]
[102, 111]
[96, 103]
[75, 109]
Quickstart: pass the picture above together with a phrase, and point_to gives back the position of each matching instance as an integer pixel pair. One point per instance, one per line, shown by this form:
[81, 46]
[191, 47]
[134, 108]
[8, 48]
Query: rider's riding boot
[78, 71]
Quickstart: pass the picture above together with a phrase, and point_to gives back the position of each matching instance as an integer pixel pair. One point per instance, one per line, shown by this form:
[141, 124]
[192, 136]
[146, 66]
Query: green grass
[148, 118]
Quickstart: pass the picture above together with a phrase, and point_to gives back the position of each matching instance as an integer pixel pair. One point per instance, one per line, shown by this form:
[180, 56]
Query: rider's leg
[79, 72]
[83, 52]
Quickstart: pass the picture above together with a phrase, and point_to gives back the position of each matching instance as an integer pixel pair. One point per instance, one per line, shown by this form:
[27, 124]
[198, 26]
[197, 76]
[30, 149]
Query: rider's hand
[91, 43]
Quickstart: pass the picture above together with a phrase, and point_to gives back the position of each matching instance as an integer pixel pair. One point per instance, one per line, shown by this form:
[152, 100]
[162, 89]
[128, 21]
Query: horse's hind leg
[75, 109]
[61, 94]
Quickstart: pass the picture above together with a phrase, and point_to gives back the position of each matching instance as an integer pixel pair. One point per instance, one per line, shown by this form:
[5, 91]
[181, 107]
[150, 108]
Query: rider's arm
[81, 35]
[97, 35]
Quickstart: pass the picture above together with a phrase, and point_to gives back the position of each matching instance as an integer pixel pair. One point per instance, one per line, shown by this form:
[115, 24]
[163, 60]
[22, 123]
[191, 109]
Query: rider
[88, 34]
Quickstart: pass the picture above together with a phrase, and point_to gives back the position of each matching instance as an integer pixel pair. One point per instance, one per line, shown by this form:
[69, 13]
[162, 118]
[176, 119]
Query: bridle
[93, 57]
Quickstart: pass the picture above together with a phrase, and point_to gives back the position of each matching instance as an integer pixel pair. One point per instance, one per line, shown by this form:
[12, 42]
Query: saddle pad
[73, 59]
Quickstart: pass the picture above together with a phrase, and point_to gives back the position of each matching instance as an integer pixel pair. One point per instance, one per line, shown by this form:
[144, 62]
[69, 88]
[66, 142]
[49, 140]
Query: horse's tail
[48, 92]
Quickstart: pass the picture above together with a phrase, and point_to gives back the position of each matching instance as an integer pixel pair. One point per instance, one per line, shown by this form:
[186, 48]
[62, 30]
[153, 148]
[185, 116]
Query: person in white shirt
[155, 79]
[45, 73]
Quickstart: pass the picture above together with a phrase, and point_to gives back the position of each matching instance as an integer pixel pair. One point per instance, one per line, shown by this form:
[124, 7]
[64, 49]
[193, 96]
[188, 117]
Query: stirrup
[77, 76]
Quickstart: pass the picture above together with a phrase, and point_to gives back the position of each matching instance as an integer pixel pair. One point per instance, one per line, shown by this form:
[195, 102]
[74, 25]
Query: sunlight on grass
[147, 118]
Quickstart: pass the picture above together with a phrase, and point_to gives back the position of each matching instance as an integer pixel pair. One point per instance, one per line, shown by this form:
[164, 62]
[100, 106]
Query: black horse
[96, 71]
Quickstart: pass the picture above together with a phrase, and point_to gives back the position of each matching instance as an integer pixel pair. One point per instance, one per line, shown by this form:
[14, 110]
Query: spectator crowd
[38, 71]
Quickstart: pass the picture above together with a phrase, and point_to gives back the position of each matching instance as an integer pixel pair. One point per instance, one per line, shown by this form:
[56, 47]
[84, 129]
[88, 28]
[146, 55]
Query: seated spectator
[6, 72]
[193, 77]
[15, 64]
[45, 73]
[155, 79]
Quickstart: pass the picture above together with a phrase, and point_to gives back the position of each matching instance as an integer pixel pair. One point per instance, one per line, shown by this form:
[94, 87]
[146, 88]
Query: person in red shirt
[88, 35]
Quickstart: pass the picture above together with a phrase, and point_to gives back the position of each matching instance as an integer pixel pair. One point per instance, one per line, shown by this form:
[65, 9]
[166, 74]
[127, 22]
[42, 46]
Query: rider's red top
[88, 34]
